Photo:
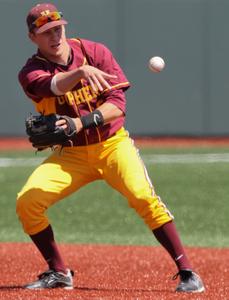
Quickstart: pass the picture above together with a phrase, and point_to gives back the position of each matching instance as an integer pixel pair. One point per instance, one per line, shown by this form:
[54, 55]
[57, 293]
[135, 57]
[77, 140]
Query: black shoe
[52, 279]
[190, 282]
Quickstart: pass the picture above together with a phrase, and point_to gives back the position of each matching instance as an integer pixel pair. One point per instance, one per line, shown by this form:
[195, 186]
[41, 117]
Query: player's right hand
[64, 124]
[96, 78]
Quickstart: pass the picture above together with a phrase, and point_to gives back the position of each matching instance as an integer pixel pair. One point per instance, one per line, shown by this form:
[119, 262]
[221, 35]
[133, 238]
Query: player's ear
[31, 36]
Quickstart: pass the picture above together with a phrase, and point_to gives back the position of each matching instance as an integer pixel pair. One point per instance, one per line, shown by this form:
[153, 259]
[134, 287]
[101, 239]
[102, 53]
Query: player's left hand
[48, 131]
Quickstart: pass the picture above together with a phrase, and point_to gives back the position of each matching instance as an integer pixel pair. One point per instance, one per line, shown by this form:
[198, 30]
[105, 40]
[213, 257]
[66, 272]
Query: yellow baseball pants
[115, 160]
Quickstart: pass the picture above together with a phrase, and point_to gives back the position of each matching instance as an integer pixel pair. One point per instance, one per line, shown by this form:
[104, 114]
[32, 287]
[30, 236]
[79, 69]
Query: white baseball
[156, 64]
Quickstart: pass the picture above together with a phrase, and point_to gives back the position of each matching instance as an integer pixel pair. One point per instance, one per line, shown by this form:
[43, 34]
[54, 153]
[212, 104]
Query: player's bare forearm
[65, 81]
[110, 112]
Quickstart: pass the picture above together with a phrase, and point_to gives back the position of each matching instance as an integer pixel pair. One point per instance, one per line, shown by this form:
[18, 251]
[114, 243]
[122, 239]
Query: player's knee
[140, 199]
[28, 205]
[151, 209]
[22, 206]
[31, 212]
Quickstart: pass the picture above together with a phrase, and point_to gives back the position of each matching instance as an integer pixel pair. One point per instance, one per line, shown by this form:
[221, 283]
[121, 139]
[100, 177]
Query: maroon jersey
[35, 78]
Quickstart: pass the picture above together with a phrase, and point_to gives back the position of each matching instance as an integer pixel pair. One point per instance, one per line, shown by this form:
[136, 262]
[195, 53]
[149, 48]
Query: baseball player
[82, 80]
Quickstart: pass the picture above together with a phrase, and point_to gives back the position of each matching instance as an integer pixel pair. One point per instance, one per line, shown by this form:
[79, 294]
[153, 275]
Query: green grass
[196, 194]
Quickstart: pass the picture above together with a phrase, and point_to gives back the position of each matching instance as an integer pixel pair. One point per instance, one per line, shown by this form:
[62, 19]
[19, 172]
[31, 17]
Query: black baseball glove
[43, 132]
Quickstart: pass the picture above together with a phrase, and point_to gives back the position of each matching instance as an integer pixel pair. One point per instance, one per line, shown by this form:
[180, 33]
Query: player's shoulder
[89, 44]
[34, 62]
[34, 66]
[97, 46]
[95, 51]
[98, 50]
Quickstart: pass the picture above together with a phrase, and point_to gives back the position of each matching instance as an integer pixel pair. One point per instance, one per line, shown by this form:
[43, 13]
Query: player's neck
[62, 58]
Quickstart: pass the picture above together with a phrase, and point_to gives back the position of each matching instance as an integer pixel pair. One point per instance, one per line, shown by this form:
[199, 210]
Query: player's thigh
[56, 178]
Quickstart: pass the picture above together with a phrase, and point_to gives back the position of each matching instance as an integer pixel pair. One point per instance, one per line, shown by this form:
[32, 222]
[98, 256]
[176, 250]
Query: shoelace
[49, 276]
[52, 273]
[182, 274]
[45, 274]
[175, 276]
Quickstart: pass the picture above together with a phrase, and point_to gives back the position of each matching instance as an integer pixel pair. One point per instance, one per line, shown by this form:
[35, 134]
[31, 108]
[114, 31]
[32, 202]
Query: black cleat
[52, 279]
[190, 282]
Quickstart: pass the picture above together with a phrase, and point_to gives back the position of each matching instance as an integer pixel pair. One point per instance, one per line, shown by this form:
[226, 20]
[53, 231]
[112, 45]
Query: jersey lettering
[82, 95]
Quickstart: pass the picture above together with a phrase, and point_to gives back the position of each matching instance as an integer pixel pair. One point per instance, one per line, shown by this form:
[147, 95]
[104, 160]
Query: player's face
[52, 42]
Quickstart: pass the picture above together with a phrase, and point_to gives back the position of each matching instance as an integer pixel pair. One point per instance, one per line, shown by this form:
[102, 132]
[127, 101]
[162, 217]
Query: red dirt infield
[22, 143]
[105, 272]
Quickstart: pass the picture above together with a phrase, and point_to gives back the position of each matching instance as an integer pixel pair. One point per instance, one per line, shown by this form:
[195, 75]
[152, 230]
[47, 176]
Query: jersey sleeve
[35, 81]
[116, 97]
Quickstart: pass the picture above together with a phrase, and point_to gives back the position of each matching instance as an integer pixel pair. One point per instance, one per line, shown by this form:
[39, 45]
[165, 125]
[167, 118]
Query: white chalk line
[19, 162]
[187, 158]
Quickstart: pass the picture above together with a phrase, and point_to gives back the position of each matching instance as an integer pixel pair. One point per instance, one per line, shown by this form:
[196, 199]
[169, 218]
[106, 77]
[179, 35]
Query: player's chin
[56, 50]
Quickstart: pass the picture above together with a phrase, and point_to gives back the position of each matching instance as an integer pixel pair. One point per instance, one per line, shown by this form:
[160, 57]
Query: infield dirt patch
[112, 272]
[22, 143]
